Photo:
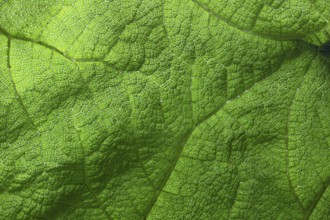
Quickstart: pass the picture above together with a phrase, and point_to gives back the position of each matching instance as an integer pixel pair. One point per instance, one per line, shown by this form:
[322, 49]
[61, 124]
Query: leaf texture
[164, 109]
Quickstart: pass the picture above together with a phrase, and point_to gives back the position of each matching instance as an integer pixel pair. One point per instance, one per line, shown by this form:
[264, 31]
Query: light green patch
[188, 109]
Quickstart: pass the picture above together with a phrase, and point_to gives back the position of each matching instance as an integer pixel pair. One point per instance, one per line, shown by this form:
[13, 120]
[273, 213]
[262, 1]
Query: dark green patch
[325, 49]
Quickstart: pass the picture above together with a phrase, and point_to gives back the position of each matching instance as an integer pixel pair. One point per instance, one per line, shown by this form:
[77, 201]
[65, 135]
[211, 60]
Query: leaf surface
[187, 109]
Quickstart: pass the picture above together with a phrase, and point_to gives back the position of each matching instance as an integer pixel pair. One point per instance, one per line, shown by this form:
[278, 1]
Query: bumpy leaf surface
[164, 109]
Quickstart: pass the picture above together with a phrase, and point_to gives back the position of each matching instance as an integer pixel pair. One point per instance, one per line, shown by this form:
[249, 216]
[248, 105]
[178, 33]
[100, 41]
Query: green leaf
[176, 109]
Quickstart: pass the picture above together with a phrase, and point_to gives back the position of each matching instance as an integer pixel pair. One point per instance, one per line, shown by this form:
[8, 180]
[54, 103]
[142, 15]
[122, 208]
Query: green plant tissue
[164, 109]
